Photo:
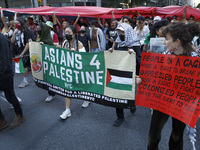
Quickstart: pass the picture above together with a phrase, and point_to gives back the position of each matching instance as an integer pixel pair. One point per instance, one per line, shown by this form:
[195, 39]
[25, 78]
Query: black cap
[140, 18]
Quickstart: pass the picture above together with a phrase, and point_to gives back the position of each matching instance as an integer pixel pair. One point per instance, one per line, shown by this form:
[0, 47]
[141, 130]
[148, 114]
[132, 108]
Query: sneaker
[66, 114]
[3, 124]
[85, 104]
[118, 122]
[20, 101]
[23, 84]
[133, 110]
[49, 98]
[17, 121]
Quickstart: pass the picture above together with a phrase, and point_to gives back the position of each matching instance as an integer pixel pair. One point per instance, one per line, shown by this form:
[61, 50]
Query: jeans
[95, 50]
[157, 122]
[6, 85]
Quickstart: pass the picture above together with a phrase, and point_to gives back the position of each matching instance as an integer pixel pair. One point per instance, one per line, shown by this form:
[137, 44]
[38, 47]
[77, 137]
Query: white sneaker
[85, 104]
[23, 84]
[49, 98]
[66, 114]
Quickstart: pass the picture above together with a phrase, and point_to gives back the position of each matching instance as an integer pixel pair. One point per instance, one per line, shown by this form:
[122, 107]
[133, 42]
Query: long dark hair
[23, 24]
[185, 33]
[73, 28]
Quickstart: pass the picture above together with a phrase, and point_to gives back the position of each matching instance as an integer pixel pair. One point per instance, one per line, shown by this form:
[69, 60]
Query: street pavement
[87, 129]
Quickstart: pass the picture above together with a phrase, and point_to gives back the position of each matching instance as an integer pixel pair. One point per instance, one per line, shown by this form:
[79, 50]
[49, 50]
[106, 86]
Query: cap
[157, 18]
[49, 23]
[31, 17]
[140, 18]
[120, 28]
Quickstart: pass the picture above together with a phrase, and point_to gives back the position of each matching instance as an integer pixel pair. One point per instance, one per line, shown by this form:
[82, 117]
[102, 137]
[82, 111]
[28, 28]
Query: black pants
[157, 122]
[51, 93]
[6, 85]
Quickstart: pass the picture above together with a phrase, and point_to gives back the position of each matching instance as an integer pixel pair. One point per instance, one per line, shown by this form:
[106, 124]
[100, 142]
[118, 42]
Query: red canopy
[88, 11]
[178, 11]
[85, 11]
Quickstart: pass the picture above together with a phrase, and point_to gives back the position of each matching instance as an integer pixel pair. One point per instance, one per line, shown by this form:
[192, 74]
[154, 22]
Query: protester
[6, 83]
[111, 33]
[44, 37]
[124, 42]
[6, 31]
[141, 32]
[178, 42]
[96, 37]
[73, 44]
[54, 36]
[127, 19]
[31, 25]
[155, 32]
[104, 29]
[84, 38]
[21, 37]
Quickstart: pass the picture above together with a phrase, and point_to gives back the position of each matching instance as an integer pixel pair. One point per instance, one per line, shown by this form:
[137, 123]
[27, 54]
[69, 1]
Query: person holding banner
[73, 44]
[178, 42]
[44, 37]
[124, 42]
[6, 83]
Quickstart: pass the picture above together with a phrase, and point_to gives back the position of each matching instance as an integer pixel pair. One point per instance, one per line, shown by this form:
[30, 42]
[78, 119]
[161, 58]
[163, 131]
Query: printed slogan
[102, 77]
[171, 84]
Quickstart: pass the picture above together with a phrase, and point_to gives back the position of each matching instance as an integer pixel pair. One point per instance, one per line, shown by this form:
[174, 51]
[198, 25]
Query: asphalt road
[87, 129]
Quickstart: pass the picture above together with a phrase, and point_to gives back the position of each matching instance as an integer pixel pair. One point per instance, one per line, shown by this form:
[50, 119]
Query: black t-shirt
[84, 40]
[111, 32]
[21, 41]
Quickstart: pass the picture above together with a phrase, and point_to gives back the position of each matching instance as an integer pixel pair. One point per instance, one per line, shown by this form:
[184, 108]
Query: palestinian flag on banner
[121, 80]
[19, 67]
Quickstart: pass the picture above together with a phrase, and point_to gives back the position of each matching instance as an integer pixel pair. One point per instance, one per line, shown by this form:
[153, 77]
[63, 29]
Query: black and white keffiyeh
[129, 35]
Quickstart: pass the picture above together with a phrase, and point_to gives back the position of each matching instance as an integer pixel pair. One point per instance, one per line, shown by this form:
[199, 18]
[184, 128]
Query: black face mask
[122, 37]
[39, 32]
[82, 31]
[68, 37]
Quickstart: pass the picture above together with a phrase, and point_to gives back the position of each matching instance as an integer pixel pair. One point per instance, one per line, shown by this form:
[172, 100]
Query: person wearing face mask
[178, 41]
[125, 42]
[84, 38]
[73, 44]
[20, 38]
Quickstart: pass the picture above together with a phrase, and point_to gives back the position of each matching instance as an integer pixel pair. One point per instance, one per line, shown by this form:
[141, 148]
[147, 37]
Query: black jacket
[5, 57]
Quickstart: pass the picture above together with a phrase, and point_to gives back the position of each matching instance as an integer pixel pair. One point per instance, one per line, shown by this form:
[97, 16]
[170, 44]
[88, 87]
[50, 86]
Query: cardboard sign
[171, 84]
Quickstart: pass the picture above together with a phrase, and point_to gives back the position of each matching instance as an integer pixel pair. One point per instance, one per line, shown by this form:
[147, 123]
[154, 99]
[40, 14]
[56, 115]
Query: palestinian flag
[19, 67]
[121, 80]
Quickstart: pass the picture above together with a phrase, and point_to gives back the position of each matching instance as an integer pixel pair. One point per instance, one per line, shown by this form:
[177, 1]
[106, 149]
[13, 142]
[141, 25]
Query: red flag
[108, 77]
[16, 60]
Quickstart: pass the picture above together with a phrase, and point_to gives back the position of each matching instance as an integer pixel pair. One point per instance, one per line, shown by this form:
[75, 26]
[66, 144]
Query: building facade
[53, 3]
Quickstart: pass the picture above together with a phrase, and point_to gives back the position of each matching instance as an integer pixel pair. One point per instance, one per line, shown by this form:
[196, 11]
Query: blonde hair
[140, 25]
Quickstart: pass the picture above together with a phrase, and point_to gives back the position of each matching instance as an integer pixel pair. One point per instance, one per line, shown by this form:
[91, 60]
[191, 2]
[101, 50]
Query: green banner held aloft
[105, 78]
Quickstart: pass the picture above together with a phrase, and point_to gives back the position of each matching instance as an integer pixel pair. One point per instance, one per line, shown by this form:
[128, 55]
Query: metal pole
[36, 3]
[45, 2]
